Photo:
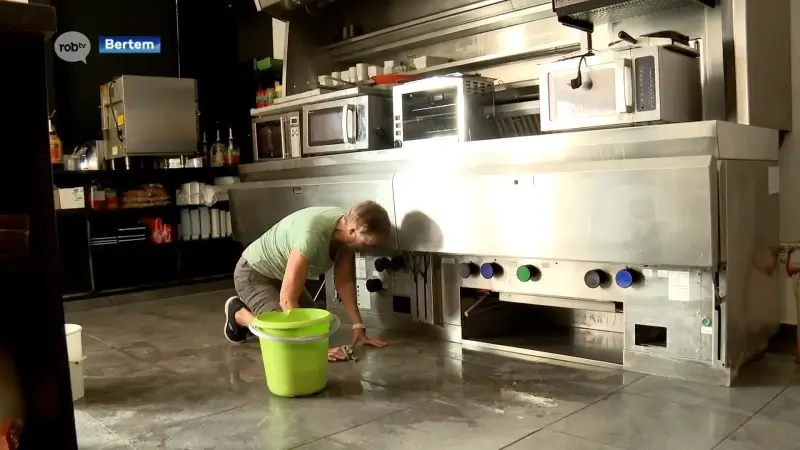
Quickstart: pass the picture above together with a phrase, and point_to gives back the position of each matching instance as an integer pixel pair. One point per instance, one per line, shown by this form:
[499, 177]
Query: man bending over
[272, 272]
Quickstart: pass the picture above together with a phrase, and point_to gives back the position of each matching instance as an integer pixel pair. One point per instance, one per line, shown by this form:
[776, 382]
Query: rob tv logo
[72, 46]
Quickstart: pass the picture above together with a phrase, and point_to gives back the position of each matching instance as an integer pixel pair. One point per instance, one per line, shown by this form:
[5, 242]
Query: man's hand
[336, 354]
[360, 335]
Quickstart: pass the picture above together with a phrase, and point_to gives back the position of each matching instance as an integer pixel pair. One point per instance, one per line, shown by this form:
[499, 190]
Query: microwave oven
[641, 85]
[350, 124]
[276, 136]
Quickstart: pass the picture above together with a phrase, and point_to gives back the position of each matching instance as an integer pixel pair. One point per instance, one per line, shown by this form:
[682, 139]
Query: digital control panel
[645, 83]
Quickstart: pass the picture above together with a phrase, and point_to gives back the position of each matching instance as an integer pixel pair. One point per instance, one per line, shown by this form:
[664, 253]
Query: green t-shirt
[308, 231]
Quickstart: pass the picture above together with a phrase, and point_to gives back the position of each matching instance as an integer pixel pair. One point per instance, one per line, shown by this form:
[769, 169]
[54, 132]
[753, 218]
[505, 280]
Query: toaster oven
[632, 86]
[443, 108]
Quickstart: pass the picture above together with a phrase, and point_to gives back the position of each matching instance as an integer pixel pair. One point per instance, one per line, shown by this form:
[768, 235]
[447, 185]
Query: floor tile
[551, 440]
[103, 361]
[438, 425]
[642, 423]
[271, 422]
[91, 433]
[785, 407]
[132, 405]
[427, 374]
[760, 433]
[537, 394]
[323, 444]
[758, 384]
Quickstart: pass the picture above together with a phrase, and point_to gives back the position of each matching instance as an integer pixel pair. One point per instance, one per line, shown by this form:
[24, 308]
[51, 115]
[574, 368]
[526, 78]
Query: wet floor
[159, 375]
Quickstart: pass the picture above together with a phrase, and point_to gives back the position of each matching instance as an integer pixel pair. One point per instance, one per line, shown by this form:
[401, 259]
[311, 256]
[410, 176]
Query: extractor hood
[277, 7]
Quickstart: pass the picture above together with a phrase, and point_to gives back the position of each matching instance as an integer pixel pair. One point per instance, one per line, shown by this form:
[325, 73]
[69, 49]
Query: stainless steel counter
[722, 140]
[686, 212]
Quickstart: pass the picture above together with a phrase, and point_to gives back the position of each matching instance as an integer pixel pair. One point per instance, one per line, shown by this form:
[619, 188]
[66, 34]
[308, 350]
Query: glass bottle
[217, 152]
[204, 152]
[233, 150]
[56, 152]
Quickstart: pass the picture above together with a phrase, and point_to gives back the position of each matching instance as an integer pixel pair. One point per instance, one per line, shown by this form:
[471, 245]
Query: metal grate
[478, 85]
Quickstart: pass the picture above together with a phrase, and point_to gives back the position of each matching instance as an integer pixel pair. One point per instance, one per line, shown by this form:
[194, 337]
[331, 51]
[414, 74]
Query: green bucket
[294, 348]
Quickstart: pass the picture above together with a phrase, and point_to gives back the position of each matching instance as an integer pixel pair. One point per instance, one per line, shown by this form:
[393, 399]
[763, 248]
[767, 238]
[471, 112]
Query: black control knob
[595, 278]
[398, 263]
[382, 264]
[466, 270]
[374, 285]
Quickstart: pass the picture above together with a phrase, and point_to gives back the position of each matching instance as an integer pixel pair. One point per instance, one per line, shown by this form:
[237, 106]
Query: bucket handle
[261, 335]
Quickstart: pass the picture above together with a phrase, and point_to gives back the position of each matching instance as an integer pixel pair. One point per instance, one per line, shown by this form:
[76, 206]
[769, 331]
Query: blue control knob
[625, 278]
[595, 278]
[490, 270]
[398, 263]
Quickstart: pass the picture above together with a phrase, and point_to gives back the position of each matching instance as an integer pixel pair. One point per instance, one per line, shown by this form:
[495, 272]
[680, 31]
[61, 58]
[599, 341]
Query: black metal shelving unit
[91, 270]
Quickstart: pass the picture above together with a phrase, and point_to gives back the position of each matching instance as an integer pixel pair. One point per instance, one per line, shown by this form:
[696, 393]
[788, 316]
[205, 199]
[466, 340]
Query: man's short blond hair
[370, 219]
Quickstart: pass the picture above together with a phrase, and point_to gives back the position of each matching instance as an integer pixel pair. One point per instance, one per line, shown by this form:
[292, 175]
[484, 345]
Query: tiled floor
[159, 375]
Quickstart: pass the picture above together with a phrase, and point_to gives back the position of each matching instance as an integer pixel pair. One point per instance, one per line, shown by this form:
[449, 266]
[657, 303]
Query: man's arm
[294, 280]
[344, 279]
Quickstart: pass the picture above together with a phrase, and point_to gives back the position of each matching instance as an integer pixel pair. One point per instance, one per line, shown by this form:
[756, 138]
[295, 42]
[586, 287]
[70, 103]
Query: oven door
[604, 96]
[270, 137]
[333, 127]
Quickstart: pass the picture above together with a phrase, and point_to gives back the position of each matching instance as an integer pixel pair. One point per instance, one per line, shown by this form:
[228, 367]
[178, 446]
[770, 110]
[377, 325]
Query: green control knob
[705, 321]
[527, 272]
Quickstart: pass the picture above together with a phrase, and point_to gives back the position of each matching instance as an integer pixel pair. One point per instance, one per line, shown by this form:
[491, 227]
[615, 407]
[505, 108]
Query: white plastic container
[75, 356]
[76, 380]
[194, 216]
[205, 223]
[428, 61]
[215, 223]
[74, 342]
[361, 71]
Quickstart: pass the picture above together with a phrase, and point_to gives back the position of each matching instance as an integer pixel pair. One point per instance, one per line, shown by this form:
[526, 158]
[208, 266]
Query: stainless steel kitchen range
[581, 180]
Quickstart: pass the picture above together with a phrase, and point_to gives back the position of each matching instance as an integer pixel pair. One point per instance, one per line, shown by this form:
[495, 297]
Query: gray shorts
[260, 293]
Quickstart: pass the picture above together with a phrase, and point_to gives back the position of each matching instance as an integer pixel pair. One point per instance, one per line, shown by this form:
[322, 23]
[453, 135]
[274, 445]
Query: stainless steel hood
[276, 8]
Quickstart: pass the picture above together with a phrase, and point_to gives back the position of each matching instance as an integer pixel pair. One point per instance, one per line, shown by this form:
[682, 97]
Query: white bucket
[76, 379]
[74, 342]
[75, 357]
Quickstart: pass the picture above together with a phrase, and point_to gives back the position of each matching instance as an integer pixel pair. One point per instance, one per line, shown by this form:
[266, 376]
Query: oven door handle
[349, 124]
[624, 86]
[283, 138]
